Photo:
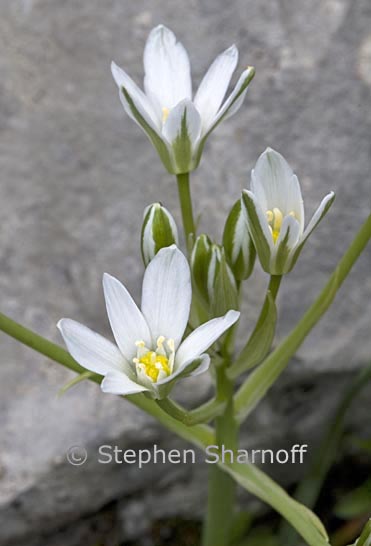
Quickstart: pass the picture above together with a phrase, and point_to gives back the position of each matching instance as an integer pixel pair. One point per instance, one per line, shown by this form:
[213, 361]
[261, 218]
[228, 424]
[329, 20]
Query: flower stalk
[222, 488]
[185, 200]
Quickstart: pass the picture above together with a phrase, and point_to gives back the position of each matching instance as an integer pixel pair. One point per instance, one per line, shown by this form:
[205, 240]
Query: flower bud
[212, 276]
[238, 245]
[221, 284]
[158, 231]
[200, 262]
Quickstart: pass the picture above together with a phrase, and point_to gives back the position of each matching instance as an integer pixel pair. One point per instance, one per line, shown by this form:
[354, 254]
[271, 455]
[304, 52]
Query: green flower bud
[238, 245]
[212, 277]
[158, 231]
[221, 283]
[200, 262]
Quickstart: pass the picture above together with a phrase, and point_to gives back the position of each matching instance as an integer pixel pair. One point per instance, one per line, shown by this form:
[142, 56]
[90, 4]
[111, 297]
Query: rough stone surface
[76, 175]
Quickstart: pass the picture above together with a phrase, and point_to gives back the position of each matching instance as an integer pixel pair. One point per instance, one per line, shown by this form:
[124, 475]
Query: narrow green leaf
[310, 487]
[260, 381]
[365, 538]
[259, 484]
[82, 377]
[260, 341]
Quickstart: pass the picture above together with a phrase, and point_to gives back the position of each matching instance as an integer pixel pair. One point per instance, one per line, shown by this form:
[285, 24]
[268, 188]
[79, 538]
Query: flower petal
[235, 99]
[119, 383]
[183, 113]
[191, 367]
[203, 337]
[319, 214]
[214, 85]
[91, 350]
[167, 78]
[127, 322]
[317, 217]
[275, 185]
[285, 246]
[202, 368]
[258, 228]
[289, 232]
[141, 102]
[166, 296]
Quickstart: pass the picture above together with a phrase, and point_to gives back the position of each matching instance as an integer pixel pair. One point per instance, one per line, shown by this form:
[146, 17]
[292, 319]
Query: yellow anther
[153, 363]
[140, 344]
[275, 218]
[165, 113]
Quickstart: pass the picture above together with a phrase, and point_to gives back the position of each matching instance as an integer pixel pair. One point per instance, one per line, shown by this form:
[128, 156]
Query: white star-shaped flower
[150, 354]
[177, 124]
[275, 213]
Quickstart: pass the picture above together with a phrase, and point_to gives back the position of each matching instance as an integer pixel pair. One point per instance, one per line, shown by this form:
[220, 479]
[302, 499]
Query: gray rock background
[76, 174]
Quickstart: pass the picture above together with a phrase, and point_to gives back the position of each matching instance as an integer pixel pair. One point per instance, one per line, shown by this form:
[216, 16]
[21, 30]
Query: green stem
[39, 343]
[274, 284]
[185, 199]
[203, 414]
[222, 487]
[260, 342]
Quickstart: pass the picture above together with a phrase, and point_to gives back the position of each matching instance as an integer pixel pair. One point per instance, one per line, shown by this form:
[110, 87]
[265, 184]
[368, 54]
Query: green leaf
[259, 382]
[75, 381]
[355, 503]
[365, 538]
[259, 484]
[260, 341]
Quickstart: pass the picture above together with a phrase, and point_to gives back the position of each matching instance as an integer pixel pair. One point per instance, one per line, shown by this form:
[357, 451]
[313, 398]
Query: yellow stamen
[154, 363]
[165, 113]
[275, 218]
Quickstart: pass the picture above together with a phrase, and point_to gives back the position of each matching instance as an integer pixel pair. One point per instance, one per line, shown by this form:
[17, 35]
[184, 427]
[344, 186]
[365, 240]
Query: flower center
[275, 218]
[155, 365]
[165, 113]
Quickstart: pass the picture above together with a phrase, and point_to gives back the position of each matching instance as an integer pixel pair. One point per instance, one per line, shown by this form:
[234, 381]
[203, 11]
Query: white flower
[176, 124]
[149, 355]
[275, 213]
